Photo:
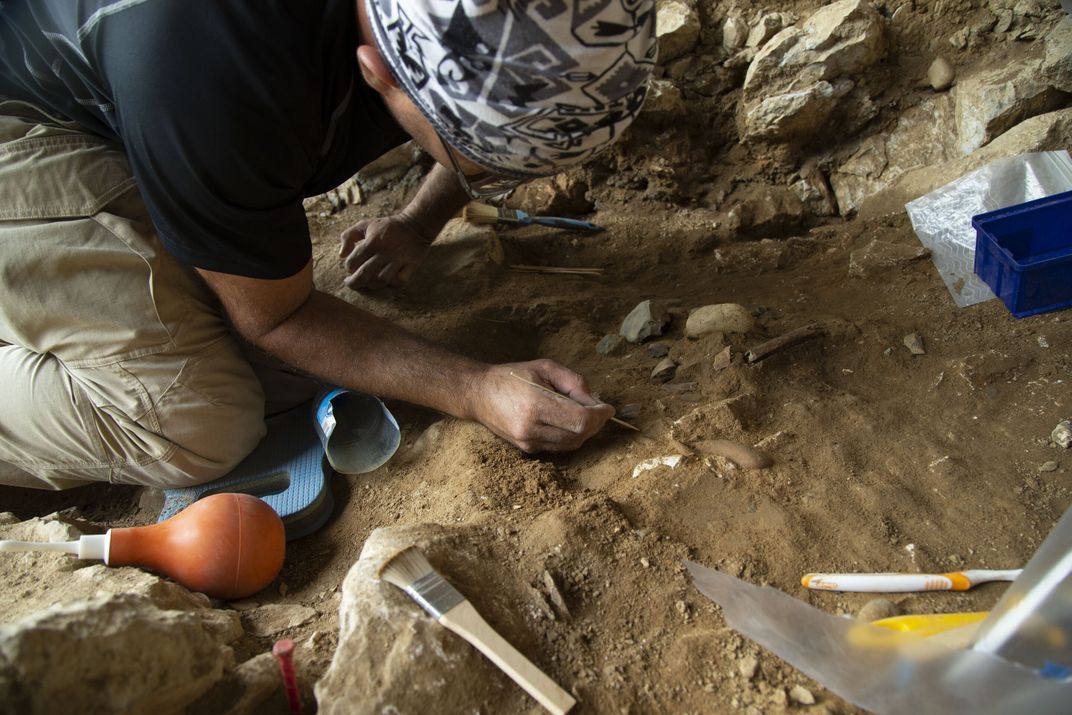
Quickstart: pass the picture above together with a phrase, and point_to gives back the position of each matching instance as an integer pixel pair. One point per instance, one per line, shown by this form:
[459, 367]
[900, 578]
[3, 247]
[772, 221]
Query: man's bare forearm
[343, 345]
[439, 199]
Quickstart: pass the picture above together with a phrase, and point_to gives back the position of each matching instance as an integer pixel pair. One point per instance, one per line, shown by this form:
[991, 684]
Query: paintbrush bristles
[405, 567]
[480, 213]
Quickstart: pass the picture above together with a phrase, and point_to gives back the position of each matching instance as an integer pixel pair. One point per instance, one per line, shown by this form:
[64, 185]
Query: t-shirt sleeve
[221, 135]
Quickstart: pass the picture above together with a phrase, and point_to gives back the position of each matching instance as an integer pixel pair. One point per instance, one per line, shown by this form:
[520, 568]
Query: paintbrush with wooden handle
[411, 572]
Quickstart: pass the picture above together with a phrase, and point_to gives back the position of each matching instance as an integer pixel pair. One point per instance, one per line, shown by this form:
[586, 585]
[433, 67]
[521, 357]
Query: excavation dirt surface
[882, 459]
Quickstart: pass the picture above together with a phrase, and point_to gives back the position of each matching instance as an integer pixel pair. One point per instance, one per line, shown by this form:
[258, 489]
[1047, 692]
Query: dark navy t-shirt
[231, 111]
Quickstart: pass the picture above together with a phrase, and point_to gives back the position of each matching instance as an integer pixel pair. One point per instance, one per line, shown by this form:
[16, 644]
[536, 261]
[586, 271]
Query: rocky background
[761, 192]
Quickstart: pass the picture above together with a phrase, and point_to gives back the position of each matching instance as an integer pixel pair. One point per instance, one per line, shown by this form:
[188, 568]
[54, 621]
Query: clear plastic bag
[942, 218]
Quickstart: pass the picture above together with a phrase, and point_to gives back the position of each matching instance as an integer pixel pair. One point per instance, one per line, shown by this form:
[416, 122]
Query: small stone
[657, 350]
[941, 74]
[747, 667]
[1062, 434]
[664, 371]
[1043, 342]
[959, 39]
[723, 360]
[914, 343]
[734, 34]
[1049, 467]
[876, 609]
[645, 562]
[681, 607]
[721, 318]
[801, 695]
[611, 345]
[647, 319]
[768, 26]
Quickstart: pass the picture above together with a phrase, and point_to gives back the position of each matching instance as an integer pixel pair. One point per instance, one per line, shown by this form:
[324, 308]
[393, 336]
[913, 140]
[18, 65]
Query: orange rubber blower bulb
[226, 546]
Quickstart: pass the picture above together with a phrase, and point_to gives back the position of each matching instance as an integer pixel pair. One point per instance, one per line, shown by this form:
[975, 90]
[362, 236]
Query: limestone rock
[393, 657]
[923, 136]
[1047, 132]
[1062, 434]
[664, 370]
[914, 343]
[108, 655]
[677, 25]
[559, 195]
[734, 33]
[796, 85]
[721, 318]
[646, 320]
[941, 74]
[801, 695]
[813, 189]
[275, 618]
[767, 27]
[664, 100]
[879, 256]
[993, 100]
[245, 690]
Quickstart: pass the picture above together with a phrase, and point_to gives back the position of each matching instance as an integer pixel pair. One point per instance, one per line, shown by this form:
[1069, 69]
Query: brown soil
[883, 461]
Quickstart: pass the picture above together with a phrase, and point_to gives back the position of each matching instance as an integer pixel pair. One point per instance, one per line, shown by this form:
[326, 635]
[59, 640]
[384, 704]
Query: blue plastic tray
[1024, 253]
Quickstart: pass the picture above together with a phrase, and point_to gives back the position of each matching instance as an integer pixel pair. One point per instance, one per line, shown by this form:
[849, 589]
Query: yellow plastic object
[929, 625]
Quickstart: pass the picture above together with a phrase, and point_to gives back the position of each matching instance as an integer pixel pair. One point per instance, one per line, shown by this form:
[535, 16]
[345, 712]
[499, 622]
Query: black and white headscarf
[523, 87]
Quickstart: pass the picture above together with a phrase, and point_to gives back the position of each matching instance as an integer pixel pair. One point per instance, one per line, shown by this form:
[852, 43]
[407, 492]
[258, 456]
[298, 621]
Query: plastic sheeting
[942, 218]
[890, 672]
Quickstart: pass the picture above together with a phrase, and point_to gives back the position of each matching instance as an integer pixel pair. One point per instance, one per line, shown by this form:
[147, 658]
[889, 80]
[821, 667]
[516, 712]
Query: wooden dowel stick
[548, 390]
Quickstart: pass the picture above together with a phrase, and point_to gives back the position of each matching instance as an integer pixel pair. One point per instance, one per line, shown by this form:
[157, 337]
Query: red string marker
[283, 650]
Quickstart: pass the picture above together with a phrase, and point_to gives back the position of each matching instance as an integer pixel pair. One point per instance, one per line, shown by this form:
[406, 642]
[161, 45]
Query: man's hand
[382, 252]
[532, 419]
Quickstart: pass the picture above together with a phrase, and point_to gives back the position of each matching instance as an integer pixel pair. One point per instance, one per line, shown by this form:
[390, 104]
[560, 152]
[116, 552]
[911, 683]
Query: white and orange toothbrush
[904, 582]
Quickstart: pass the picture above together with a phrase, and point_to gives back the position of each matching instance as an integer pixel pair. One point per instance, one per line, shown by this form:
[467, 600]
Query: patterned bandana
[522, 87]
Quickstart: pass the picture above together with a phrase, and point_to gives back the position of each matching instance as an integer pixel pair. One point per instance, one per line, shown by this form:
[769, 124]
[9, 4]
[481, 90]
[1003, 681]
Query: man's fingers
[361, 253]
[367, 275]
[567, 382]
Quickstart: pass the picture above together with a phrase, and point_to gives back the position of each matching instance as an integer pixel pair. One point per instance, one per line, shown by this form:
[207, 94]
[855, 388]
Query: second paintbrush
[484, 214]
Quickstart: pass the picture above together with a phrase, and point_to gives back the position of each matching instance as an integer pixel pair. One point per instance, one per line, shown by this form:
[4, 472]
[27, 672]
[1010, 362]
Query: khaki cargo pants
[115, 362]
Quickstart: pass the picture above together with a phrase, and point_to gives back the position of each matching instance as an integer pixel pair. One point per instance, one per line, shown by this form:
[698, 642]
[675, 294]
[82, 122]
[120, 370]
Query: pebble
[648, 318]
[645, 562]
[876, 609]
[721, 318]
[801, 695]
[941, 74]
[914, 343]
[611, 345]
[747, 667]
[1062, 434]
[723, 360]
[664, 371]
[1049, 467]
[658, 350]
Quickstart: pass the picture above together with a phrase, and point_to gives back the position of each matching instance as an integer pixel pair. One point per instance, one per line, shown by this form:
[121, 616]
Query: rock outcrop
[808, 75]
